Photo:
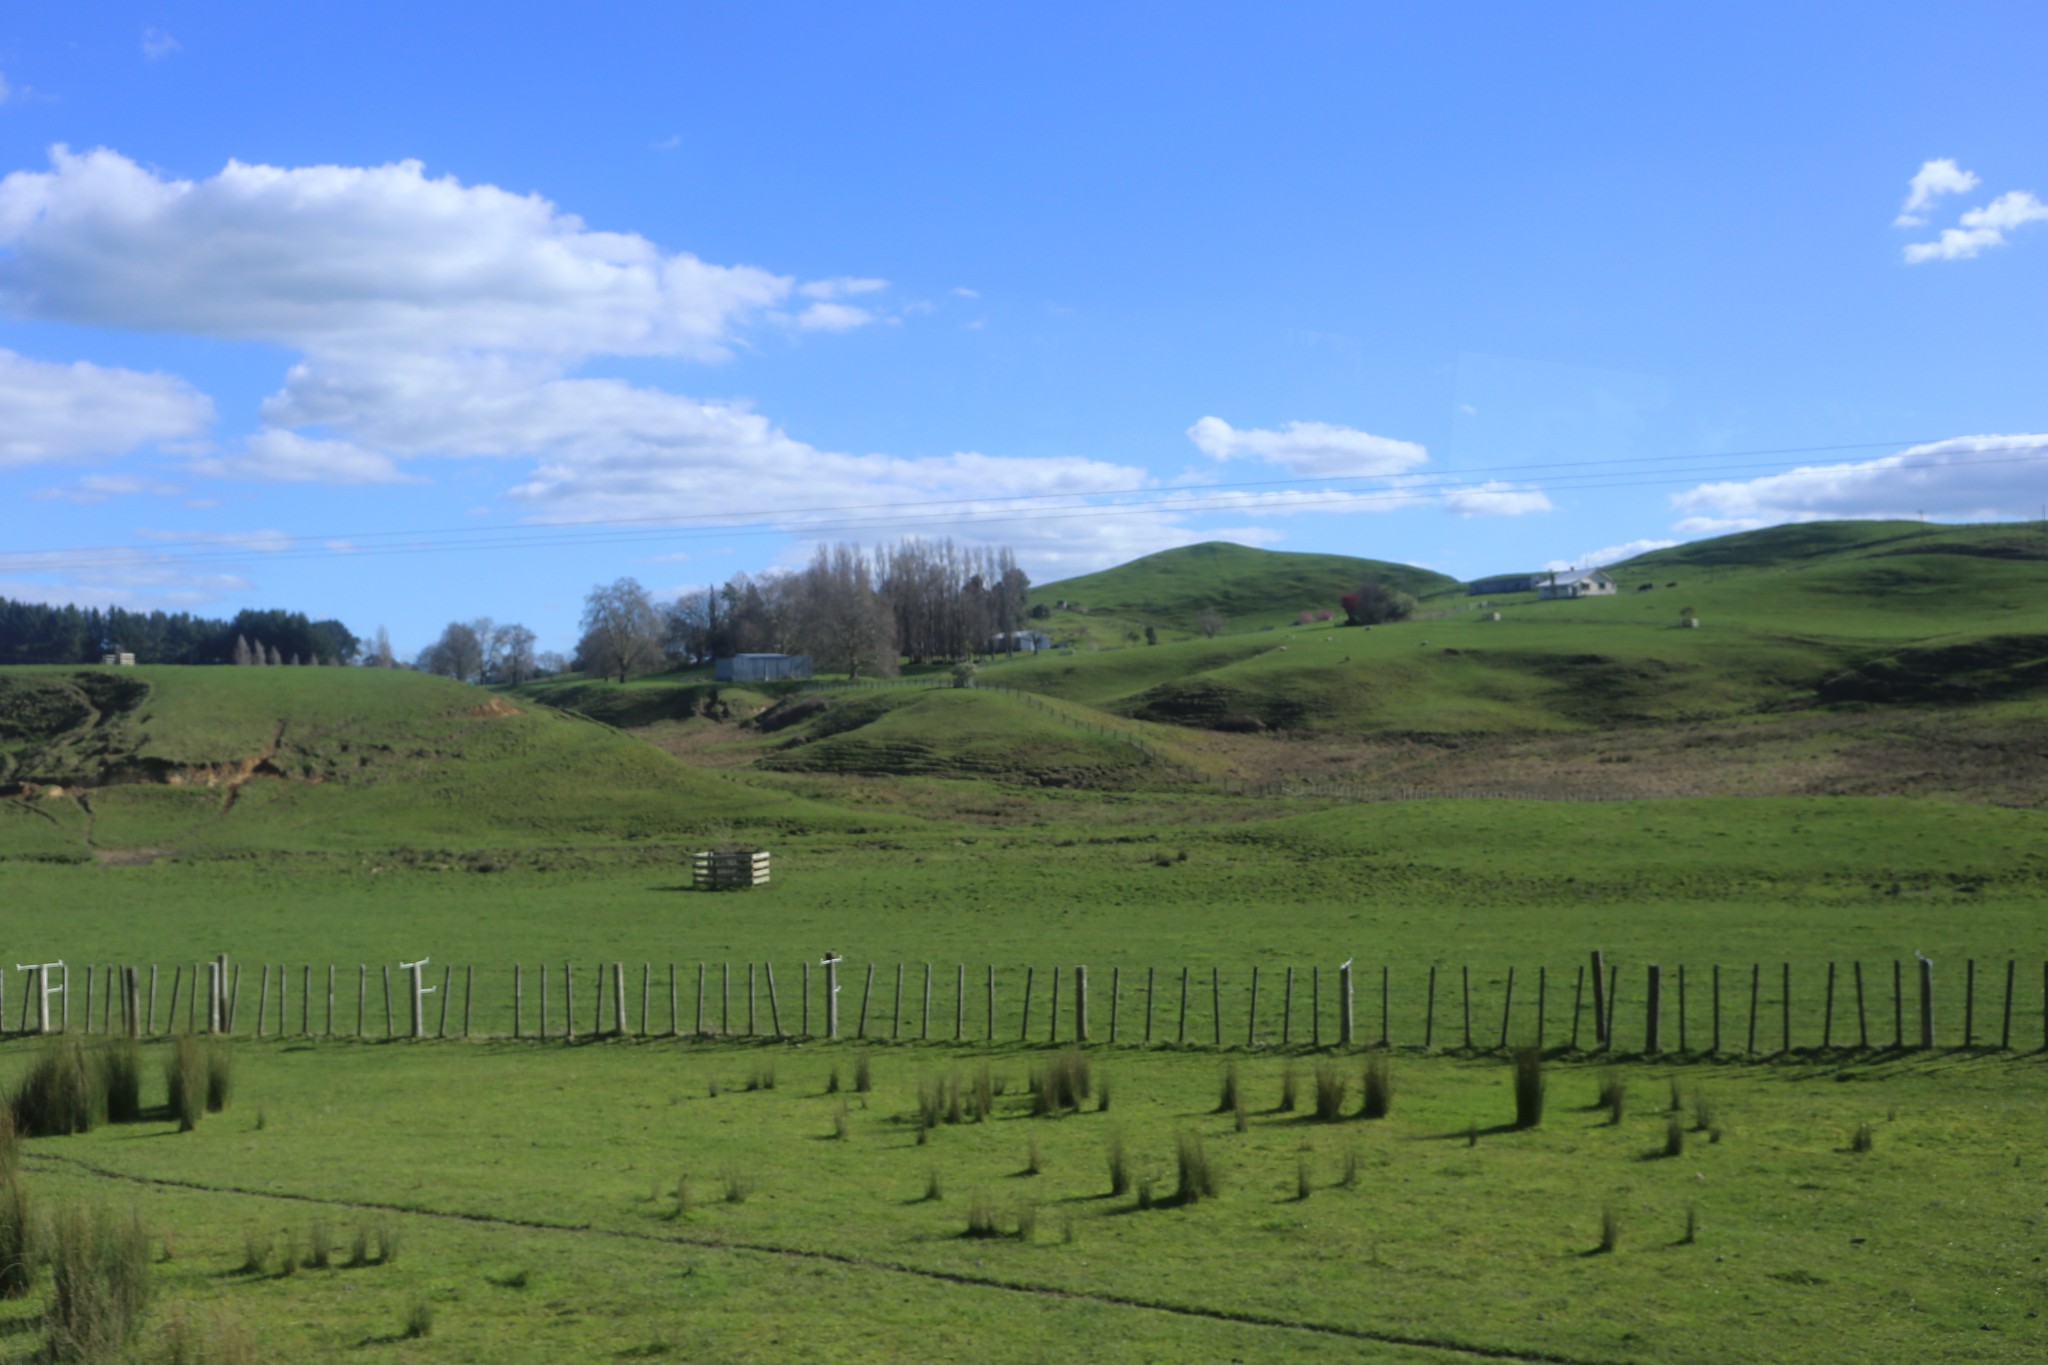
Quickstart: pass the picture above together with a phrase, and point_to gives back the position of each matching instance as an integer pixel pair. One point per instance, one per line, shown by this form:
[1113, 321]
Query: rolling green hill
[102, 760]
[1249, 588]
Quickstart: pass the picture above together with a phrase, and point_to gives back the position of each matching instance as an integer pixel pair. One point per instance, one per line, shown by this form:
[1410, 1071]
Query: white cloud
[833, 317]
[1309, 448]
[961, 291]
[1979, 228]
[259, 542]
[1933, 179]
[359, 261]
[157, 44]
[1612, 554]
[95, 488]
[1968, 478]
[131, 578]
[1496, 499]
[278, 456]
[843, 287]
[51, 411]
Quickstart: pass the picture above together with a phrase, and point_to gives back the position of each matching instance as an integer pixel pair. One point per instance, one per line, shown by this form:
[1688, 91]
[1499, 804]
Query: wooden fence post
[152, 1000]
[1898, 1007]
[568, 1002]
[1024, 1028]
[752, 1032]
[804, 1025]
[831, 997]
[170, 1024]
[959, 1002]
[1681, 1010]
[447, 977]
[1827, 1016]
[1542, 995]
[1315, 1006]
[1116, 1000]
[1081, 1005]
[991, 1002]
[597, 1001]
[1150, 984]
[1785, 1013]
[306, 1001]
[1926, 1002]
[362, 994]
[1613, 998]
[1052, 1023]
[1717, 1011]
[774, 1005]
[2006, 1030]
[1251, 1028]
[1578, 998]
[1287, 1010]
[646, 994]
[1344, 1034]
[1507, 1009]
[924, 1032]
[896, 1010]
[1755, 978]
[675, 1023]
[725, 998]
[1216, 1002]
[543, 1000]
[387, 1002]
[1653, 1006]
[1429, 1012]
[1599, 1000]
[417, 1015]
[867, 991]
[1182, 1037]
[91, 972]
[1467, 971]
[262, 1000]
[1862, 1018]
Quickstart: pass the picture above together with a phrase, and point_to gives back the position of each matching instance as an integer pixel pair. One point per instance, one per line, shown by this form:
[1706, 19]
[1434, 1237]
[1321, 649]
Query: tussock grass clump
[863, 1073]
[762, 1077]
[1232, 1097]
[1610, 1228]
[1119, 1167]
[320, 1245]
[842, 1123]
[1692, 1225]
[419, 1320]
[682, 1206]
[120, 1067]
[1240, 1115]
[1379, 1087]
[1027, 1221]
[1702, 1111]
[738, 1185]
[981, 1218]
[1674, 1136]
[185, 1081]
[359, 1246]
[1197, 1177]
[934, 1188]
[288, 1264]
[220, 1078]
[1864, 1139]
[99, 1273]
[1102, 1096]
[256, 1249]
[1677, 1097]
[1528, 1088]
[390, 1240]
[1349, 1177]
[1146, 1185]
[832, 1082]
[10, 1144]
[1290, 1082]
[1034, 1159]
[1331, 1088]
[18, 1241]
[1061, 1086]
[985, 1092]
[711, 1087]
[1302, 1188]
[1613, 1097]
[192, 1338]
[59, 1095]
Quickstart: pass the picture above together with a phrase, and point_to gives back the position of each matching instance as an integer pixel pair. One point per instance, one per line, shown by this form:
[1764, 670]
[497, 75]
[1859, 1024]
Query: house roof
[1564, 576]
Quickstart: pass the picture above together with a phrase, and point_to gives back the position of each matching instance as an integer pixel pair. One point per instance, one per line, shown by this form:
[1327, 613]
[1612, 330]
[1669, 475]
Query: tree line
[854, 611]
[36, 633]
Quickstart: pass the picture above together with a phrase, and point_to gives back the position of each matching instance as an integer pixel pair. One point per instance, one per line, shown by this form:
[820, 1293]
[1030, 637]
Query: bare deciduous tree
[621, 630]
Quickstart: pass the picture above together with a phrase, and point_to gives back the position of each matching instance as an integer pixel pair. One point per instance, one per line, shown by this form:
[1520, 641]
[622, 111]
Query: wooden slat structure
[729, 870]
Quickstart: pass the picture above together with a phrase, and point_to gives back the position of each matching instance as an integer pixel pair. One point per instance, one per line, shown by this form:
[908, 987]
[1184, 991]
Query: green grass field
[1861, 713]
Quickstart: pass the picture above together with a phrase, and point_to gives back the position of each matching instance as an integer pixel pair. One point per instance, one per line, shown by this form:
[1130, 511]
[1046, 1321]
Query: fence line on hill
[1711, 1014]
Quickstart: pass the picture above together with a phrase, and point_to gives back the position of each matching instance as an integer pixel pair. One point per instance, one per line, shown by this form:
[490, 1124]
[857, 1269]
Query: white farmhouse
[1575, 583]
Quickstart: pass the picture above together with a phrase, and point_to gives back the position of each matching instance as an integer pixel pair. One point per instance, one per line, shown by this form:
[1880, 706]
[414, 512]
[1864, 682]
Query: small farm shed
[118, 658]
[728, 869]
[1575, 583]
[1502, 582]
[761, 667]
[1018, 642]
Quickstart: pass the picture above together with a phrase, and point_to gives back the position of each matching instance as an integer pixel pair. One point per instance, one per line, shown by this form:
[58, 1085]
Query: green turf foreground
[535, 1188]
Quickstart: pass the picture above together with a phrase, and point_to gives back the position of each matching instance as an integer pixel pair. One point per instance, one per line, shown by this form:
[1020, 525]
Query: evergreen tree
[242, 656]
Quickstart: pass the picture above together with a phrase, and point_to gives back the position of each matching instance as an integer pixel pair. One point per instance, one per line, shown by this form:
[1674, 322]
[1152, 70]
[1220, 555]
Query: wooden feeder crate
[729, 870]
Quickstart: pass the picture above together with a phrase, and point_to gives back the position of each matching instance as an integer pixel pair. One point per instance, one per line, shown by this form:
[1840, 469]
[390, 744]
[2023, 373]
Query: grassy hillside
[1249, 588]
[195, 759]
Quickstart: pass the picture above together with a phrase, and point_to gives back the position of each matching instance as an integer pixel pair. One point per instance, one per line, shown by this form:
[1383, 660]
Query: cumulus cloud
[157, 44]
[1497, 499]
[95, 488]
[1312, 449]
[1968, 478]
[833, 317]
[1934, 179]
[132, 578]
[279, 456]
[52, 411]
[379, 260]
[1612, 554]
[1976, 229]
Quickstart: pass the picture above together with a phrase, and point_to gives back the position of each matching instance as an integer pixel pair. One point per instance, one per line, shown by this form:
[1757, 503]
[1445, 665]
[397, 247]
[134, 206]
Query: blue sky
[411, 313]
